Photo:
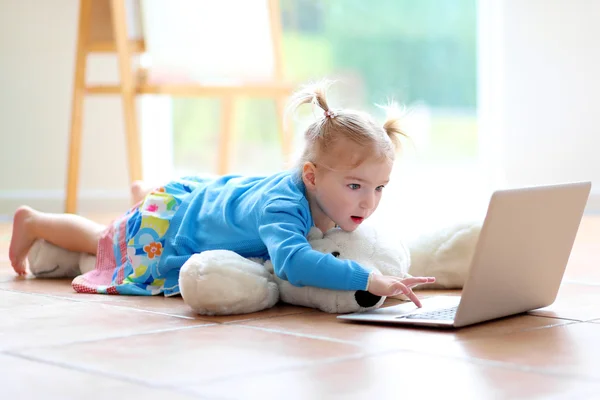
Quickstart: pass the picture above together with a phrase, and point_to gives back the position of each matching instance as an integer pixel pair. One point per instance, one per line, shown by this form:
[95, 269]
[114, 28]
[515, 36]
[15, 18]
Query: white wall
[37, 50]
[540, 89]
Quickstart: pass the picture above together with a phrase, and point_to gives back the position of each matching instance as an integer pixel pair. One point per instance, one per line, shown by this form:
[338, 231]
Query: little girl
[346, 162]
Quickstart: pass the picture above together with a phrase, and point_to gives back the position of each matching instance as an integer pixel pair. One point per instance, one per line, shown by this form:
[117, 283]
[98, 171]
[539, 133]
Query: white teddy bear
[221, 282]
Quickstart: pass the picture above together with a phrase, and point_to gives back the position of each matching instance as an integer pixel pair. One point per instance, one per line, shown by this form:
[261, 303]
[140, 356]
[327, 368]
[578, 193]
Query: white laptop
[518, 264]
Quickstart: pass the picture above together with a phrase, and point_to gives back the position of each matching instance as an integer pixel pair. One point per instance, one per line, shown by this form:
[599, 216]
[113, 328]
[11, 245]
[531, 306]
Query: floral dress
[130, 248]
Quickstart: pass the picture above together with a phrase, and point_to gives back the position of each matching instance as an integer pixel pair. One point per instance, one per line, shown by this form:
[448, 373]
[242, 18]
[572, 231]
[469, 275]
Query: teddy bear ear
[315, 233]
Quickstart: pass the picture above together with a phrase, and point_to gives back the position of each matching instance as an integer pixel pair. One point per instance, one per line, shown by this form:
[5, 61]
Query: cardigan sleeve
[283, 227]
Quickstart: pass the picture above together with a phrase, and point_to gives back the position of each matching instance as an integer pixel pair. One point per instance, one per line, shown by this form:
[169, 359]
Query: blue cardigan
[267, 217]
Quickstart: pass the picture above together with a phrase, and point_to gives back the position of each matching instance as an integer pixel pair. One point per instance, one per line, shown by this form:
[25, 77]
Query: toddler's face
[349, 196]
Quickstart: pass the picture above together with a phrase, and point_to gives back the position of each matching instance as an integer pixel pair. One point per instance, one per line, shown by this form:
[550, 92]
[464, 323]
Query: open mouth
[357, 220]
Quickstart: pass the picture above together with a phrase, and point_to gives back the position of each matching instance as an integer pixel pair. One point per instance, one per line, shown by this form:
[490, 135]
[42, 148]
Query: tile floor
[55, 343]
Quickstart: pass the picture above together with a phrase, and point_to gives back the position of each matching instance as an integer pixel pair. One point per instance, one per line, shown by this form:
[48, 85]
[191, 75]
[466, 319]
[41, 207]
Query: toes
[20, 268]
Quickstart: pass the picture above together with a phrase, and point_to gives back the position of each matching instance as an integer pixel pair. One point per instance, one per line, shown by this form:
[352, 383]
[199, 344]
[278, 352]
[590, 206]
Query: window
[421, 53]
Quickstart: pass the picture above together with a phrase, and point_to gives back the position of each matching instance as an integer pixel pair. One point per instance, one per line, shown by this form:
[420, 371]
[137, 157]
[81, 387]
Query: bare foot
[139, 190]
[22, 239]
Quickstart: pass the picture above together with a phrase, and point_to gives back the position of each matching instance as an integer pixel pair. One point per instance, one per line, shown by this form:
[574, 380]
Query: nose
[367, 202]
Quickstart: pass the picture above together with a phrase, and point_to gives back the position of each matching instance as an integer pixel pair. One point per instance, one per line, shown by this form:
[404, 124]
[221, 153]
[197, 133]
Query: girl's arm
[283, 227]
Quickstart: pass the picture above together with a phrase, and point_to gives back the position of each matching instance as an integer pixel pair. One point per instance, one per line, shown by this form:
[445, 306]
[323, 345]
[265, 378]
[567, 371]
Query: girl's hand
[382, 285]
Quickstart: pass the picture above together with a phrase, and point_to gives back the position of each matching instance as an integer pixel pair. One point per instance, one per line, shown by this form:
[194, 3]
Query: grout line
[518, 367]
[524, 368]
[512, 366]
[468, 360]
[478, 361]
[555, 325]
[557, 318]
[115, 305]
[114, 337]
[148, 311]
[354, 343]
[94, 372]
[301, 335]
[280, 369]
[53, 296]
[268, 317]
[103, 303]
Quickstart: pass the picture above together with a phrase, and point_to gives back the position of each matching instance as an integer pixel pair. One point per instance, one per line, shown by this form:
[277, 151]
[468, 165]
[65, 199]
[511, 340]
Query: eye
[336, 254]
[354, 186]
[379, 188]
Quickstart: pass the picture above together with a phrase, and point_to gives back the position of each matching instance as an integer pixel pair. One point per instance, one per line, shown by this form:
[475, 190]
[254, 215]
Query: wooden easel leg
[286, 131]
[85, 7]
[226, 136]
[285, 127]
[128, 90]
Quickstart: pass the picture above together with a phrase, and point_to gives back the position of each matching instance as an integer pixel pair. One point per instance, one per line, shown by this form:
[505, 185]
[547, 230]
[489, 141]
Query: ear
[309, 175]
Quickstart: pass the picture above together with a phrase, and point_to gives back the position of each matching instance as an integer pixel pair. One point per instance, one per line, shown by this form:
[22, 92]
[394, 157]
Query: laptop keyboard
[442, 314]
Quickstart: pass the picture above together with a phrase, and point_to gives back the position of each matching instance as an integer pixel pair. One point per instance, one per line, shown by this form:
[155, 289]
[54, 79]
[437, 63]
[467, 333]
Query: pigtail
[317, 135]
[393, 123]
[315, 93]
[360, 135]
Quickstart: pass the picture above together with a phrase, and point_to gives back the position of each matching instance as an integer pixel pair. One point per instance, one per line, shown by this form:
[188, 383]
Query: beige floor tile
[401, 375]
[176, 306]
[195, 355]
[574, 301]
[377, 337]
[278, 310]
[52, 287]
[568, 350]
[122, 341]
[159, 304]
[173, 306]
[25, 379]
[61, 321]
[13, 300]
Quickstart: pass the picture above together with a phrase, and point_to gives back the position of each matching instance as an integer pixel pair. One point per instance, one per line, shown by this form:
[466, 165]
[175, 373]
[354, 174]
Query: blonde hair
[321, 137]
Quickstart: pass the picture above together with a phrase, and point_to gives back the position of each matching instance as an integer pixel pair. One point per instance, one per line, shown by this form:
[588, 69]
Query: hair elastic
[329, 114]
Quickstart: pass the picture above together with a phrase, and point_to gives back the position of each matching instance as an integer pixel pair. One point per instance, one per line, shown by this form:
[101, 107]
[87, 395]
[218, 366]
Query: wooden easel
[103, 29]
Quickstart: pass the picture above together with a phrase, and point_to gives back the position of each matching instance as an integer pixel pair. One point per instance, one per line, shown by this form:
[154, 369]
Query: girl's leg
[69, 231]
[140, 189]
